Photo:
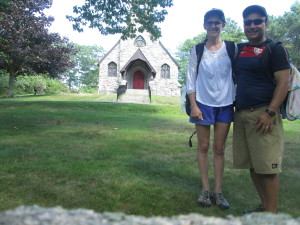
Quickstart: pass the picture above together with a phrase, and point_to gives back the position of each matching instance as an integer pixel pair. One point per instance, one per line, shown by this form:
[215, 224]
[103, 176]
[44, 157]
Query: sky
[184, 20]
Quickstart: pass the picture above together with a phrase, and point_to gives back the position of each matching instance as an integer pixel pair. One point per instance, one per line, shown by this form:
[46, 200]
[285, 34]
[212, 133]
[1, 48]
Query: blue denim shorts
[212, 115]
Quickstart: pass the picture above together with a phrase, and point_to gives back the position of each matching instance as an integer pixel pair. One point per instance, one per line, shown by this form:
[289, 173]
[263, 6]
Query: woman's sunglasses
[256, 22]
[216, 23]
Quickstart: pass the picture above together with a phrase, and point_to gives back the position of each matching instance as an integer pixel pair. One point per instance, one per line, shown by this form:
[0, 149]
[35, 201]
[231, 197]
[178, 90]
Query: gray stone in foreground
[35, 215]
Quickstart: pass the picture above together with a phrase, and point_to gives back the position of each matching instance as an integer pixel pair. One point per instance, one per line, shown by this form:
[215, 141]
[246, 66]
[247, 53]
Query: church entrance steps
[135, 96]
[137, 92]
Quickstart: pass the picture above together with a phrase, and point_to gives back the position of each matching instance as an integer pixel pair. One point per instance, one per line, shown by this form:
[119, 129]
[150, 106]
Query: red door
[138, 80]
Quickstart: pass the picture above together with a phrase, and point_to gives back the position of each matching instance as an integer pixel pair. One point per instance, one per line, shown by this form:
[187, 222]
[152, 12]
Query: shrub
[30, 84]
[89, 89]
[39, 84]
[55, 86]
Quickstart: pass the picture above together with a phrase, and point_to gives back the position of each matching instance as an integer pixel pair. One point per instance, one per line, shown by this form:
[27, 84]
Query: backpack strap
[230, 47]
[266, 58]
[190, 140]
[199, 53]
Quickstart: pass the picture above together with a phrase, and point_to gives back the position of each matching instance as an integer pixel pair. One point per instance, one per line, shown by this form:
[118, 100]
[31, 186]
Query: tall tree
[126, 17]
[183, 55]
[26, 45]
[286, 28]
[232, 32]
[86, 71]
[4, 4]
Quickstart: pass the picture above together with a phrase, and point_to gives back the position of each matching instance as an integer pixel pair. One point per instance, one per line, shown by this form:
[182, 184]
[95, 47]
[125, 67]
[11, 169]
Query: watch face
[271, 113]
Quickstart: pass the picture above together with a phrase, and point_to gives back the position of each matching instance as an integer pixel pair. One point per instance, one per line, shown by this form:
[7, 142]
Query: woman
[211, 92]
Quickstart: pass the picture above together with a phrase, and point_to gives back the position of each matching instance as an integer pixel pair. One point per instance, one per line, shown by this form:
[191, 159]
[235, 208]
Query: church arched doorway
[138, 80]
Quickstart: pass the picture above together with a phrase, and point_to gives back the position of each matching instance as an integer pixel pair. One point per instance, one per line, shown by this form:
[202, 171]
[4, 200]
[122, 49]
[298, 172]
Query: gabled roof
[163, 47]
[109, 52]
[169, 54]
[138, 55]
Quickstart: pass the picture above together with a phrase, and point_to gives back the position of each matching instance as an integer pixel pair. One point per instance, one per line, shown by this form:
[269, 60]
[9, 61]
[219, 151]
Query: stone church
[140, 64]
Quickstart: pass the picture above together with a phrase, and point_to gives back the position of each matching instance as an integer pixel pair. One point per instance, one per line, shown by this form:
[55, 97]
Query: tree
[126, 17]
[86, 71]
[183, 55]
[26, 45]
[4, 4]
[286, 28]
[232, 32]
[4, 77]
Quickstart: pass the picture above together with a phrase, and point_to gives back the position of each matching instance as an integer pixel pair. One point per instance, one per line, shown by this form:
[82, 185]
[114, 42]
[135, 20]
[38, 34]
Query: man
[258, 130]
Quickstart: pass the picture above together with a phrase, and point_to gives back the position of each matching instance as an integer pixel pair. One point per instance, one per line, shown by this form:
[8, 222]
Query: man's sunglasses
[256, 22]
[216, 23]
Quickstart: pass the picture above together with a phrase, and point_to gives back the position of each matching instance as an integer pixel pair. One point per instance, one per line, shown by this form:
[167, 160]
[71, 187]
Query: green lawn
[174, 101]
[118, 157]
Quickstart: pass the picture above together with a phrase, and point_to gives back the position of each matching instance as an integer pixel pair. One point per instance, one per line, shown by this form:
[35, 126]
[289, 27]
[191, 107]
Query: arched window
[112, 69]
[140, 41]
[165, 71]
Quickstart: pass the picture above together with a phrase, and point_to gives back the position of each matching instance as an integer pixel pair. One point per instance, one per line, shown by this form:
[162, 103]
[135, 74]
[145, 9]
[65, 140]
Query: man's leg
[267, 186]
[259, 186]
[272, 192]
[271, 184]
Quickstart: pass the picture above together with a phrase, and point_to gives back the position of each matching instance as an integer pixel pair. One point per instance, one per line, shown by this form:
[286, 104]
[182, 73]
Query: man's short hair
[255, 9]
[214, 12]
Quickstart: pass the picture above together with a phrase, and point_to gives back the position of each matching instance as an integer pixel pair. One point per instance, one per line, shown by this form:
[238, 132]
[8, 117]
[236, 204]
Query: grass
[161, 100]
[118, 157]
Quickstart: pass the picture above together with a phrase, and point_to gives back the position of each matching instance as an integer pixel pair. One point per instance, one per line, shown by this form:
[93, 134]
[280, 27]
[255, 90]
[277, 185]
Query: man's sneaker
[260, 208]
[221, 201]
[204, 198]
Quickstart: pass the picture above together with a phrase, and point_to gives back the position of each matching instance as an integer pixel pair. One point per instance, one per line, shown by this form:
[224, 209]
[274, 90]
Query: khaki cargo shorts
[251, 150]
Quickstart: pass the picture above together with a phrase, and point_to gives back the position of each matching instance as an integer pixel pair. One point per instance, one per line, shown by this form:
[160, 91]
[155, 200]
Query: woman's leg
[220, 135]
[203, 134]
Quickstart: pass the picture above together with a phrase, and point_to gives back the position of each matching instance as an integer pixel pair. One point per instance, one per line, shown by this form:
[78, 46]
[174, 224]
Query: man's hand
[264, 123]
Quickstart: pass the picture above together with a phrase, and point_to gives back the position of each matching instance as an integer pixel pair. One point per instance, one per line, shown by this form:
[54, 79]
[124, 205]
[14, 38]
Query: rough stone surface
[35, 215]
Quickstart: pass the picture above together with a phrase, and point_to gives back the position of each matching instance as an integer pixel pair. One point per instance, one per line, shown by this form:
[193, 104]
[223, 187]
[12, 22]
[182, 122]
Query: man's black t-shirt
[255, 87]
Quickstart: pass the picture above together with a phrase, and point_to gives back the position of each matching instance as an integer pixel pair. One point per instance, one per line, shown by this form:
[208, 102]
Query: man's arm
[265, 121]
[282, 80]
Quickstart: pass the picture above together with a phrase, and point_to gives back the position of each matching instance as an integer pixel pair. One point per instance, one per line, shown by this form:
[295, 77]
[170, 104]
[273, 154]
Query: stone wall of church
[156, 56]
[108, 84]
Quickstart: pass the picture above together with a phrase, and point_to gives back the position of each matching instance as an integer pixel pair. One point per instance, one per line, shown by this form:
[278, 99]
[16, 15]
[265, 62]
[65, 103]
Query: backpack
[290, 108]
[230, 47]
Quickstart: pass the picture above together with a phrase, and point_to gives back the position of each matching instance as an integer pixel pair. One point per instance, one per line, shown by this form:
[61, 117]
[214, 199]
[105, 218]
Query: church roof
[163, 47]
[109, 51]
[138, 55]
[169, 54]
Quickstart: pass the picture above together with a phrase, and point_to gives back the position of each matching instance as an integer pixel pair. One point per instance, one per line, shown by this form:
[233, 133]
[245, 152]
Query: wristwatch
[270, 112]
